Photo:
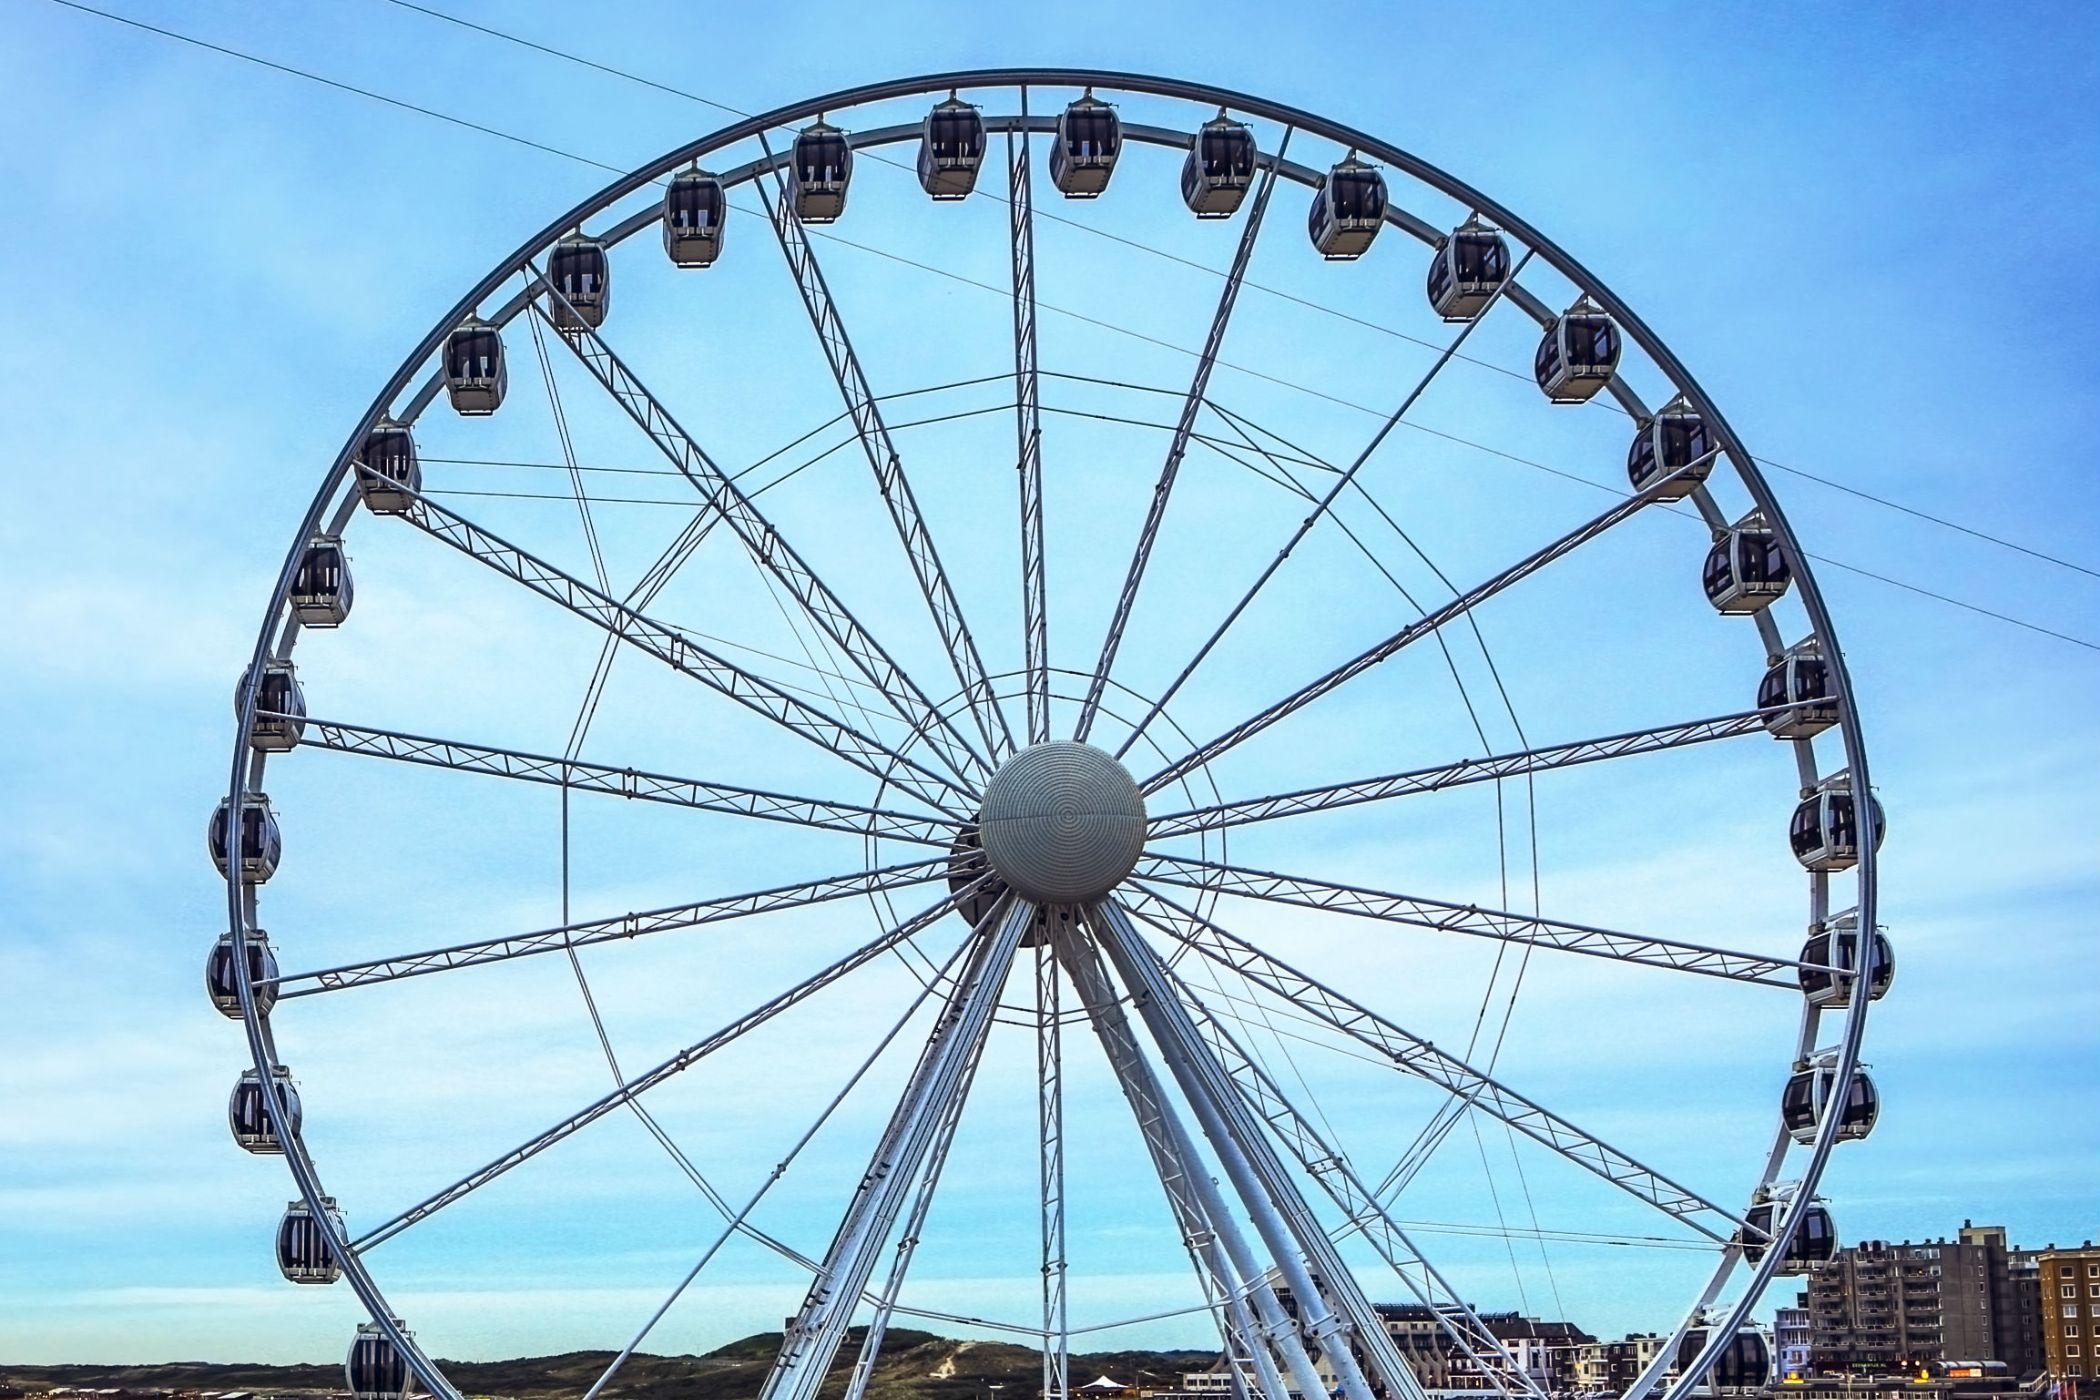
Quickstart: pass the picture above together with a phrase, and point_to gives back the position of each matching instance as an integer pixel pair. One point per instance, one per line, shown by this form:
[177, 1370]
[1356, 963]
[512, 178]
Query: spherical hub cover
[1063, 823]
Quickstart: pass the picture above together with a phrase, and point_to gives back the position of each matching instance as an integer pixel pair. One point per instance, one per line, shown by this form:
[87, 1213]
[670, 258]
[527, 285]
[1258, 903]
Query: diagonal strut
[1415, 912]
[637, 784]
[866, 412]
[1411, 1054]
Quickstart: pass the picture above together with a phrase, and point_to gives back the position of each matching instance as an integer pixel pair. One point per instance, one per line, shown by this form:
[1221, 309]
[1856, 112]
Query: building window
[2070, 1310]
[2068, 1290]
[2092, 1271]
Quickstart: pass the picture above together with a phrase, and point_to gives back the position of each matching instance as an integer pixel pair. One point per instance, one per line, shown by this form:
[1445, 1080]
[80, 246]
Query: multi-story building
[2070, 1281]
[1881, 1308]
[2024, 1354]
[1793, 1339]
[1545, 1351]
[2015, 1291]
[1610, 1368]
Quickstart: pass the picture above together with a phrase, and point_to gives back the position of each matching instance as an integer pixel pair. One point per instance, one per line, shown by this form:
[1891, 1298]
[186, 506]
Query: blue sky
[1862, 228]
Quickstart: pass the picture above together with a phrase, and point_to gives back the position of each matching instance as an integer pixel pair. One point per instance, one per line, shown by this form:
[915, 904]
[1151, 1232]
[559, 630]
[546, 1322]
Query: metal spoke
[1326, 502]
[874, 434]
[649, 1079]
[634, 783]
[581, 935]
[1050, 1121]
[914, 1222]
[1416, 912]
[1414, 631]
[1191, 405]
[764, 543]
[812, 1337]
[1467, 770]
[1331, 1303]
[1232, 1281]
[680, 651]
[1325, 1164]
[1413, 1055]
[1028, 428]
[740, 1222]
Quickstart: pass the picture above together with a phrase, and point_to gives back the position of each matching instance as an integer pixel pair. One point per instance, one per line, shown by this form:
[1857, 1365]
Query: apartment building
[1879, 1308]
[2070, 1284]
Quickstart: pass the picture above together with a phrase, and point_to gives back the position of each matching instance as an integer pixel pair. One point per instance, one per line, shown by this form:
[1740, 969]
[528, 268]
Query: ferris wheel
[1058, 703]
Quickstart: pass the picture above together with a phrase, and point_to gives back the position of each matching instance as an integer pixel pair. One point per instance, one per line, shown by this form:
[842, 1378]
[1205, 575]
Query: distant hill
[914, 1366]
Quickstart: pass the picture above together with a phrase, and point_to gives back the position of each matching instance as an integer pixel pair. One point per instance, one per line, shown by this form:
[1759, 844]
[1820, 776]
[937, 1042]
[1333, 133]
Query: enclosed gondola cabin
[1830, 960]
[219, 975]
[321, 592]
[694, 211]
[1824, 832]
[1578, 354]
[1467, 270]
[1219, 168]
[1746, 568]
[388, 473]
[375, 1368]
[951, 150]
[1744, 1365]
[280, 708]
[250, 1121]
[304, 1254]
[1347, 211]
[819, 169]
[475, 374]
[1800, 678]
[262, 844]
[1672, 447]
[1083, 155]
[580, 273]
[1814, 1243]
[1812, 1093]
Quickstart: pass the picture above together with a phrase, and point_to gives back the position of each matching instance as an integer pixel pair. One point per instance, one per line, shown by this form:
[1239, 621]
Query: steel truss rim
[278, 632]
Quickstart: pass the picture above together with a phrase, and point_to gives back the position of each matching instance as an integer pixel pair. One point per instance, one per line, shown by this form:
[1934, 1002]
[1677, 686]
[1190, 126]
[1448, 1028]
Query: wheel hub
[1062, 823]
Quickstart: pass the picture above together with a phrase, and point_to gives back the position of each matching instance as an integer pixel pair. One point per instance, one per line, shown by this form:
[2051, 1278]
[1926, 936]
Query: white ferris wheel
[1057, 705]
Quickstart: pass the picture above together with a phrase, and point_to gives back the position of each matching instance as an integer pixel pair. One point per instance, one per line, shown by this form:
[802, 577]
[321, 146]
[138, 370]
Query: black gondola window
[1798, 1104]
[1805, 832]
[957, 135]
[1844, 827]
[1862, 1104]
[1683, 440]
[1546, 363]
[472, 355]
[1091, 130]
[1759, 558]
[1358, 195]
[320, 571]
[1481, 259]
[1772, 690]
[579, 270]
[1229, 152]
[1593, 343]
[1719, 576]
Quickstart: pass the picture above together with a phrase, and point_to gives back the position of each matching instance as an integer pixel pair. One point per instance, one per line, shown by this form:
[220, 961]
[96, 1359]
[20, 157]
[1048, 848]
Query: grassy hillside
[914, 1366]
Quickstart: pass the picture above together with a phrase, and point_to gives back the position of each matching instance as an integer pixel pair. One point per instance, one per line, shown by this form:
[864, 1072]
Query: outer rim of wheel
[278, 632]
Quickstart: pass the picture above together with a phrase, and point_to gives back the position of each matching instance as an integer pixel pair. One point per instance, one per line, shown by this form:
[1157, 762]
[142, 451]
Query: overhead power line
[446, 117]
[312, 77]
